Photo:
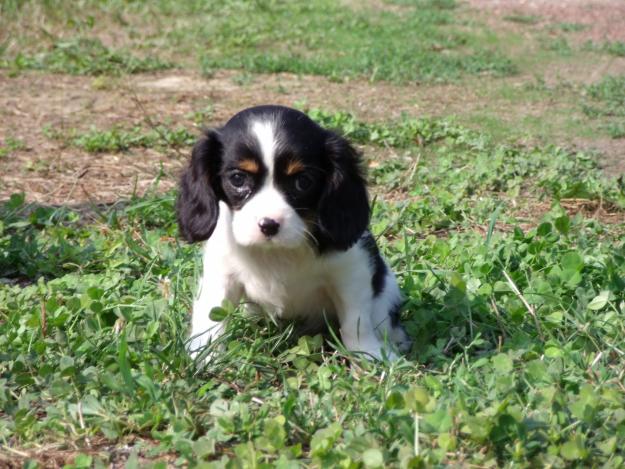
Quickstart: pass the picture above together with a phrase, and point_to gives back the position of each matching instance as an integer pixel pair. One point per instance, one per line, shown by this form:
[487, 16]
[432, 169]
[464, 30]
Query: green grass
[118, 139]
[326, 39]
[82, 56]
[94, 314]
[424, 41]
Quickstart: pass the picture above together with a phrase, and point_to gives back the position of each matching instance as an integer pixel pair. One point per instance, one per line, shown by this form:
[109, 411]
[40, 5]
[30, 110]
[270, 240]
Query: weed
[610, 90]
[201, 116]
[616, 48]
[607, 100]
[616, 129]
[523, 19]
[559, 45]
[400, 134]
[176, 138]
[37, 165]
[494, 167]
[571, 27]
[11, 145]
[118, 139]
[115, 140]
[438, 4]
[243, 79]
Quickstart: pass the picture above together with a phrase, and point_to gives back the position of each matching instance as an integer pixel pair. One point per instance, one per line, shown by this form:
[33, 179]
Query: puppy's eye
[303, 182]
[238, 178]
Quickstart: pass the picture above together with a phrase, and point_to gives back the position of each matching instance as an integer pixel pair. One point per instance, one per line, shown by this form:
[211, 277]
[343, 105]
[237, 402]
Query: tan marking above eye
[294, 167]
[251, 166]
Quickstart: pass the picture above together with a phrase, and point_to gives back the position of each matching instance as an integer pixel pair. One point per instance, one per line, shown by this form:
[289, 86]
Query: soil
[603, 20]
[59, 456]
[52, 171]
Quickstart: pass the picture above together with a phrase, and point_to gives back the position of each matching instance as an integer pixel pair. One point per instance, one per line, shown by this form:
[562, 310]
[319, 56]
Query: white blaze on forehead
[264, 132]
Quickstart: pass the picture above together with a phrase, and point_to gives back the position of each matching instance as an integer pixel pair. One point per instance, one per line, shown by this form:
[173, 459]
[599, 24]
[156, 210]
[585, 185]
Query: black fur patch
[343, 214]
[200, 190]
[379, 267]
[394, 313]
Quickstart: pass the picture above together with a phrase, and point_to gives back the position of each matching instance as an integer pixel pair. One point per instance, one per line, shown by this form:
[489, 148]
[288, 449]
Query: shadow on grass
[49, 241]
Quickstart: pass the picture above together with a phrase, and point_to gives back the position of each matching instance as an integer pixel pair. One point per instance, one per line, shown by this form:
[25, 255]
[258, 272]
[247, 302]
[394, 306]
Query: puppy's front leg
[214, 289]
[357, 330]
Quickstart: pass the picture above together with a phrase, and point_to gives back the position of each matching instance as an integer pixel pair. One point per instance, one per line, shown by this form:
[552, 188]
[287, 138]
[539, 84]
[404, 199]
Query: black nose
[268, 226]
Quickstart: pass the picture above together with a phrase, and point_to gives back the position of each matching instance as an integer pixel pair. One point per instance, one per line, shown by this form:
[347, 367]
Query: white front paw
[203, 340]
[380, 354]
[372, 349]
[400, 338]
[198, 343]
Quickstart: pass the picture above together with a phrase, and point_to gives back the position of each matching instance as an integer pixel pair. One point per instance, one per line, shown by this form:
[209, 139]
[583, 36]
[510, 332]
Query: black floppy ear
[344, 204]
[197, 206]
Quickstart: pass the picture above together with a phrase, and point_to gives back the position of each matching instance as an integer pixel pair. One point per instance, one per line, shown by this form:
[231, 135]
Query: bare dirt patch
[52, 171]
[528, 209]
[58, 456]
[603, 20]
[612, 153]
[49, 171]
[597, 21]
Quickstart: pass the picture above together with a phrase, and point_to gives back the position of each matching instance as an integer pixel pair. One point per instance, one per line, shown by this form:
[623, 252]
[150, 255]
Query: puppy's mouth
[275, 242]
[287, 239]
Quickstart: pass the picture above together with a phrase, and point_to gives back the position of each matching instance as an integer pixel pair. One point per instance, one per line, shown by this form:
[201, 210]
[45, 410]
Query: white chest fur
[291, 283]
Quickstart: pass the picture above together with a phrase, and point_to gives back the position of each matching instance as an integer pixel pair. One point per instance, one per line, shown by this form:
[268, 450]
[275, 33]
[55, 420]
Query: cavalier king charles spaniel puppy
[282, 206]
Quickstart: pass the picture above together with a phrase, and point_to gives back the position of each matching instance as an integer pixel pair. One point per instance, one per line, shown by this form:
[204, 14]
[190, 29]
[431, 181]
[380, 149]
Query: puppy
[282, 205]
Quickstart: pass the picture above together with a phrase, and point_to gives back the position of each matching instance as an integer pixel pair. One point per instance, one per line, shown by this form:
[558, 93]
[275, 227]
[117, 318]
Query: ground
[602, 19]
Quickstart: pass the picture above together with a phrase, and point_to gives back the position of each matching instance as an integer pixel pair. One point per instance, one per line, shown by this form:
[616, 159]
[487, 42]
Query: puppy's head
[286, 180]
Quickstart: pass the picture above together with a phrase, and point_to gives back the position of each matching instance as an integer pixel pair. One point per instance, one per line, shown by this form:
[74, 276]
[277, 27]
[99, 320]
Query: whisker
[310, 236]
